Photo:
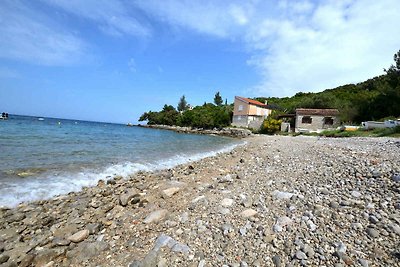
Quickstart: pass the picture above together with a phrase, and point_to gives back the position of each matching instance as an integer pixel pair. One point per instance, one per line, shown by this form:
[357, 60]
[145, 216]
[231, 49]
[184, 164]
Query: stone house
[249, 113]
[316, 120]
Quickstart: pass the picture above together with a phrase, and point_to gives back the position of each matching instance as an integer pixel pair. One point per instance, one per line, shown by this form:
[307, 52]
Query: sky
[112, 60]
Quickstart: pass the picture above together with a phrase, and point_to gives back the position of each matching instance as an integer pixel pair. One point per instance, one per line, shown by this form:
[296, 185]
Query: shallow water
[40, 159]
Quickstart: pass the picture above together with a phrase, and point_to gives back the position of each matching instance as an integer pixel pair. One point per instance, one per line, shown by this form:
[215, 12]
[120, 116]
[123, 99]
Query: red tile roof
[251, 101]
[316, 112]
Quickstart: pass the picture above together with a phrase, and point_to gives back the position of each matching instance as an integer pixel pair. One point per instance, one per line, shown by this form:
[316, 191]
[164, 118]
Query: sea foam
[47, 186]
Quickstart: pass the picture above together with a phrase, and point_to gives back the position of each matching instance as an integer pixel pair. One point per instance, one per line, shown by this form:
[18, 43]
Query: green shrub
[270, 126]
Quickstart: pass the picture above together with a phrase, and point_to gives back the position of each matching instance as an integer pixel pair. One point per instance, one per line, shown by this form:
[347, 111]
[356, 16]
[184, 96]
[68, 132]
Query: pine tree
[218, 99]
[182, 105]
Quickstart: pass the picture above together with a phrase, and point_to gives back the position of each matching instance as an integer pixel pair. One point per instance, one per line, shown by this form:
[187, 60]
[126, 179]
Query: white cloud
[218, 18]
[112, 17]
[27, 36]
[297, 45]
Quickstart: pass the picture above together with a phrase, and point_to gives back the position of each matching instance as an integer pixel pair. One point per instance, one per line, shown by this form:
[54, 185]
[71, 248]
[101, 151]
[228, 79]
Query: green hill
[374, 99]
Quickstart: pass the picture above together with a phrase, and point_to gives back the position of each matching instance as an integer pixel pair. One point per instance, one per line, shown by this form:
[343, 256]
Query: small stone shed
[316, 120]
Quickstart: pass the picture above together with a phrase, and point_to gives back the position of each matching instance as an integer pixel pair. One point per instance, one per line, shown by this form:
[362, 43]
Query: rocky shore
[228, 131]
[276, 201]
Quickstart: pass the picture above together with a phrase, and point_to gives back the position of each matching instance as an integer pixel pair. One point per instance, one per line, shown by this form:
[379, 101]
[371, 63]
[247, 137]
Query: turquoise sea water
[44, 158]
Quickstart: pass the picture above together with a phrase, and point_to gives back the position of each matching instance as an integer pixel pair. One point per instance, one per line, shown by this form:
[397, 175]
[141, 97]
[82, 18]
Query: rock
[156, 216]
[394, 228]
[135, 263]
[373, 219]
[324, 191]
[86, 250]
[47, 255]
[227, 202]
[6, 234]
[225, 179]
[282, 195]
[372, 232]
[277, 261]
[334, 205]
[355, 194]
[396, 177]
[201, 263]
[167, 193]
[364, 263]
[93, 228]
[79, 236]
[282, 222]
[4, 258]
[165, 240]
[61, 241]
[126, 197]
[300, 255]
[248, 213]
[26, 260]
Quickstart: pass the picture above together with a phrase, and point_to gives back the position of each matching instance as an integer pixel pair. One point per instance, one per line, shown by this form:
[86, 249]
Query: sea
[44, 157]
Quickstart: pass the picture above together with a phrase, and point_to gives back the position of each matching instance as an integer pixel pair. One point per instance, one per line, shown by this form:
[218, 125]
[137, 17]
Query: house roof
[251, 101]
[316, 112]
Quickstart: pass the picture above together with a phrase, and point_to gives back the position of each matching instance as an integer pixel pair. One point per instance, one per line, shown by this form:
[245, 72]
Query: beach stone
[372, 232]
[6, 234]
[364, 263]
[126, 197]
[225, 179]
[277, 261]
[355, 194]
[79, 236]
[300, 255]
[61, 241]
[227, 202]
[248, 213]
[4, 258]
[282, 222]
[86, 250]
[26, 260]
[396, 177]
[282, 195]
[45, 256]
[156, 216]
[167, 193]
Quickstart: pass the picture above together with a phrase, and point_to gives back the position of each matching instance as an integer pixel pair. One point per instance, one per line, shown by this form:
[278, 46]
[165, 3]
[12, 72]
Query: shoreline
[227, 131]
[276, 193]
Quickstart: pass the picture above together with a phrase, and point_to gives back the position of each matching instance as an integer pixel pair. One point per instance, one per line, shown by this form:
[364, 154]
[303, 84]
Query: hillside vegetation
[374, 99]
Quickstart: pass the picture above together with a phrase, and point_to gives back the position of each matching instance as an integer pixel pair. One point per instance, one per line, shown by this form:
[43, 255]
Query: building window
[306, 120]
[328, 121]
[240, 107]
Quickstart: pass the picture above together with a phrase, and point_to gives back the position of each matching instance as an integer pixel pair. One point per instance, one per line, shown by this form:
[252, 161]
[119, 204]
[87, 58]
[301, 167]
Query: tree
[218, 99]
[182, 105]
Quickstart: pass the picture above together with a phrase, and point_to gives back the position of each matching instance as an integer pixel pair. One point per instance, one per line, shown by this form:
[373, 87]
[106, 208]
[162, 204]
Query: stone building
[316, 120]
[249, 113]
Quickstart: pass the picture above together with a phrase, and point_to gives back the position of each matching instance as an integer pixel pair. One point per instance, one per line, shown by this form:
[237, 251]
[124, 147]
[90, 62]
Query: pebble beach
[275, 201]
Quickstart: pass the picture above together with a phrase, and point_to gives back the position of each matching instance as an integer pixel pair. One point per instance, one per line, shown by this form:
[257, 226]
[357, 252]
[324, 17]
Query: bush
[270, 126]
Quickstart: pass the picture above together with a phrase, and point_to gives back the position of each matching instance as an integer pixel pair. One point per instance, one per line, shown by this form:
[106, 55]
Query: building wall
[236, 107]
[246, 121]
[316, 125]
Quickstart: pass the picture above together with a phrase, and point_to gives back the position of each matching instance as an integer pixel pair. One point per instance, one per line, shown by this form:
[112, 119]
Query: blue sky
[111, 60]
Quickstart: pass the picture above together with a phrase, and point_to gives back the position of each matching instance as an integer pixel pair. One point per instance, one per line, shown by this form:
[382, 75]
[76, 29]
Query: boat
[40, 119]
[129, 124]
[4, 116]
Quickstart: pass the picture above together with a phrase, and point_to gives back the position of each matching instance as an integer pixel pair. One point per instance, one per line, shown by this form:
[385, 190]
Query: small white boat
[40, 119]
[4, 116]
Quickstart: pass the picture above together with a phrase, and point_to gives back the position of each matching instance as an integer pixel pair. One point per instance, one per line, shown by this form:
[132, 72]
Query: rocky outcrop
[229, 131]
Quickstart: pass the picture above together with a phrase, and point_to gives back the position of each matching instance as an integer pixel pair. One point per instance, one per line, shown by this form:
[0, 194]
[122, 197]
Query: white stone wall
[316, 125]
